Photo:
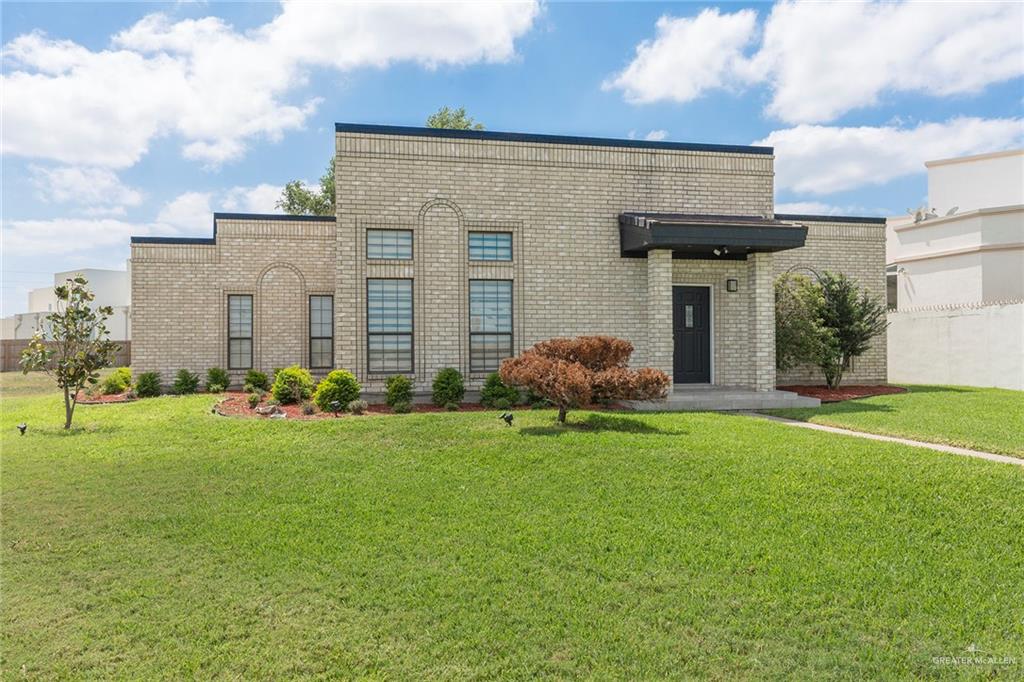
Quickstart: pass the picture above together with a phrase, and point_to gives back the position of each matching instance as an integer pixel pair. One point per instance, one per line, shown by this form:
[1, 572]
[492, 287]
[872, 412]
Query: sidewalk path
[991, 456]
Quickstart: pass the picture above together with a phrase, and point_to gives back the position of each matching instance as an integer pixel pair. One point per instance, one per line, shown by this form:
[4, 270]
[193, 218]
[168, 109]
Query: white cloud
[687, 58]
[823, 159]
[63, 236]
[188, 213]
[258, 199]
[656, 135]
[218, 88]
[98, 188]
[821, 60]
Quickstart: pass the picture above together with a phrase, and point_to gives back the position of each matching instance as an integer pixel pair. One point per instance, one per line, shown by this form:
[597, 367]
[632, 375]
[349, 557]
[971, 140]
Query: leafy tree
[578, 372]
[79, 347]
[298, 199]
[455, 119]
[826, 323]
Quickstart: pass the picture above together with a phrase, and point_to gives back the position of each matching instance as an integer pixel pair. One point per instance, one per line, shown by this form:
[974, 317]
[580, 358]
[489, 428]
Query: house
[460, 248]
[111, 288]
[956, 276]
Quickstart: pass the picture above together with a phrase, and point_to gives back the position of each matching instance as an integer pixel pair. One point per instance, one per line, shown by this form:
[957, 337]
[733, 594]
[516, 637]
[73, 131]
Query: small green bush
[254, 400]
[357, 406]
[292, 385]
[402, 407]
[451, 407]
[256, 380]
[217, 378]
[341, 386]
[448, 387]
[399, 390]
[148, 385]
[501, 404]
[495, 390]
[117, 381]
[185, 382]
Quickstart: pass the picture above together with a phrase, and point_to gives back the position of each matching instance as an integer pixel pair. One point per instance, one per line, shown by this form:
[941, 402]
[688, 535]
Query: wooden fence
[10, 354]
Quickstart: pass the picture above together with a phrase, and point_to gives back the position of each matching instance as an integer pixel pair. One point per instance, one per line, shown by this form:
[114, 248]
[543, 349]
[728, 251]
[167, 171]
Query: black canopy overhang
[700, 235]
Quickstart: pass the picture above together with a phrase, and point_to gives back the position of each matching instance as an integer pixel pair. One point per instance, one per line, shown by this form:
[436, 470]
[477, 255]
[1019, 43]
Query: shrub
[501, 404]
[308, 408]
[185, 382]
[402, 407]
[292, 384]
[117, 381]
[577, 372]
[256, 380]
[341, 386]
[451, 407]
[399, 390]
[217, 378]
[495, 390]
[448, 387]
[357, 406]
[254, 400]
[148, 385]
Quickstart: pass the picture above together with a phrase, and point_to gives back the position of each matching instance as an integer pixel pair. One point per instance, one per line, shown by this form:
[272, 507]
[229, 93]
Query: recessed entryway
[691, 334]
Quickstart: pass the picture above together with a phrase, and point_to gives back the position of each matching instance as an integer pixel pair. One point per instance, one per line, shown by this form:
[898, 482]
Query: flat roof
[497, 136]
[233, 216]
[830, 218]
[973, 157]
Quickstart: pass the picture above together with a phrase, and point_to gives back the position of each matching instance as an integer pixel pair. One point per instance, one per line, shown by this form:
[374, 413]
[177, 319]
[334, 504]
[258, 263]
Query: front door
[691, 333]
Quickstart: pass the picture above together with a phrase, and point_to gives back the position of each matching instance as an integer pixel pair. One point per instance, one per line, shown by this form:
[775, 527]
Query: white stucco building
[957, 276]
[112, 288]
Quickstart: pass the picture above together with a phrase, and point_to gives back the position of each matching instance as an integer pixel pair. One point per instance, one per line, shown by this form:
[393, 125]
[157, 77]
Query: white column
[659, 311]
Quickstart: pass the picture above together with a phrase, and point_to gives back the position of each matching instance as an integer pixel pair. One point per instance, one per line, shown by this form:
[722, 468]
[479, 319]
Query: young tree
[453, 118]
[577, 372]
[79, 346]
[826, 323]
[298, 199]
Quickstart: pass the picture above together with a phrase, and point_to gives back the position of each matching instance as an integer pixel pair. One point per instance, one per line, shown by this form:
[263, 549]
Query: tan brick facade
[560, 203]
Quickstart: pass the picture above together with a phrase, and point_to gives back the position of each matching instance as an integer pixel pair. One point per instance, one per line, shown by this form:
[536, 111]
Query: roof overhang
[705, 236]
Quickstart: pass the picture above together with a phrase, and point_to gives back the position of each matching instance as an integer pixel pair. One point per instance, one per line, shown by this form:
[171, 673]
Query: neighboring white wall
[964, 345]
[973, 182]
[111, 287]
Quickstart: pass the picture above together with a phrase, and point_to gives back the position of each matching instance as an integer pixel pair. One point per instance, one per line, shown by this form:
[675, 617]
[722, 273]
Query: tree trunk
[561, 414]
[69, 408]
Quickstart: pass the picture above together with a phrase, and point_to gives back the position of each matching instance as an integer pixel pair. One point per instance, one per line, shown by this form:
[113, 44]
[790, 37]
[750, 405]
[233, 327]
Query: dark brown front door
[691, 332]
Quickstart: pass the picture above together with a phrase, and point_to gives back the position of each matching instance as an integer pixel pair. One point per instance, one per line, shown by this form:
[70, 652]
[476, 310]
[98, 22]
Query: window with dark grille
[321, 331]
[490, 246]
[389, 325]
[490, 323]
[239, 331]
[385, 244]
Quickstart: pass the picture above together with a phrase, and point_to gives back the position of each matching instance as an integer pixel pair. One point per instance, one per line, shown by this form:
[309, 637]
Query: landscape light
[335, 407]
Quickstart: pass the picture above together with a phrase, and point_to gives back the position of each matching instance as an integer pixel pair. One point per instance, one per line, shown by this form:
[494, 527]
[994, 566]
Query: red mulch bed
[236, 404]
[100, 399]
[828, 395]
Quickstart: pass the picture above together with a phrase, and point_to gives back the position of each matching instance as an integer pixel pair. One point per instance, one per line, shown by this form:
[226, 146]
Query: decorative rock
[269, 410]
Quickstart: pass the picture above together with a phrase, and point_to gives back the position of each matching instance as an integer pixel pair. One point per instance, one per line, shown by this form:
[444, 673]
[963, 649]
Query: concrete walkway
[990, 456]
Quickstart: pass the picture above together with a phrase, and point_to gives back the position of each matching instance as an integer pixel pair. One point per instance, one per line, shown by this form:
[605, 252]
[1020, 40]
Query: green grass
[989, 419]
[160, 541]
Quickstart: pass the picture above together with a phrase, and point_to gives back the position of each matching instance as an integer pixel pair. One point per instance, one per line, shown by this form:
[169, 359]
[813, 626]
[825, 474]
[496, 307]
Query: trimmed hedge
[495, 393]
[147, 385]
[399, 390]
[448, 387]
[117, 381]
[341, 386]
[292, 385]
[185, 382]
[217, 378]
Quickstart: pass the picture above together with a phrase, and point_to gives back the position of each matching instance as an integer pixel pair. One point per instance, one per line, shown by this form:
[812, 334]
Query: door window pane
[321, 331]
[490, 324]
[239, 332]
[389, 325]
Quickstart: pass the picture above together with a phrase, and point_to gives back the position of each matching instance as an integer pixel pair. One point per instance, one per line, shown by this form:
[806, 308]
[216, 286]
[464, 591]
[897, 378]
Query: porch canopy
[705, 236]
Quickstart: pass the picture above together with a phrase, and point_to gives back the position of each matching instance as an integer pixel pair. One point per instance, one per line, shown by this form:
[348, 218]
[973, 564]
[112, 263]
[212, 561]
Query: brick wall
[858, 251]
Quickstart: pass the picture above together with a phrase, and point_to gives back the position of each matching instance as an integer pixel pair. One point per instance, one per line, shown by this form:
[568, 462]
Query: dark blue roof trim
[231, 216]
[830, 218]
[370, 129]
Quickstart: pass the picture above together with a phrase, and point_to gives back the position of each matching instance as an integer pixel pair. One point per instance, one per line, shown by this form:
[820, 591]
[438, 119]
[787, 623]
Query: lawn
[990, 419]
[158, 540]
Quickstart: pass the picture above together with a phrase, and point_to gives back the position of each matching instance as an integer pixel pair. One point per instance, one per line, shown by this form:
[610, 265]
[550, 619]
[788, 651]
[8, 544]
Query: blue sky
[143, 118]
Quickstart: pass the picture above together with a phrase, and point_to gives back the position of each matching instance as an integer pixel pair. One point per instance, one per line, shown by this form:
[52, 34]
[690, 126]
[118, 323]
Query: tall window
[239, 332]
[490, 323]
[394, 244]
[321, 331]
[490, 246]
[389, 325]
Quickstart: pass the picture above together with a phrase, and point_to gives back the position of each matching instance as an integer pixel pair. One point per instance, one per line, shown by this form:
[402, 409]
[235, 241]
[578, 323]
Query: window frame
[411, 333]
[252, 315]
[312, 338]
[412, 243]
[512, 318]
[469, 246]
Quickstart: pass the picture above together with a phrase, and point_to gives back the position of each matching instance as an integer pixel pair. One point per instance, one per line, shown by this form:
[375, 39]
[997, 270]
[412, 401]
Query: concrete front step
[724, 399]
